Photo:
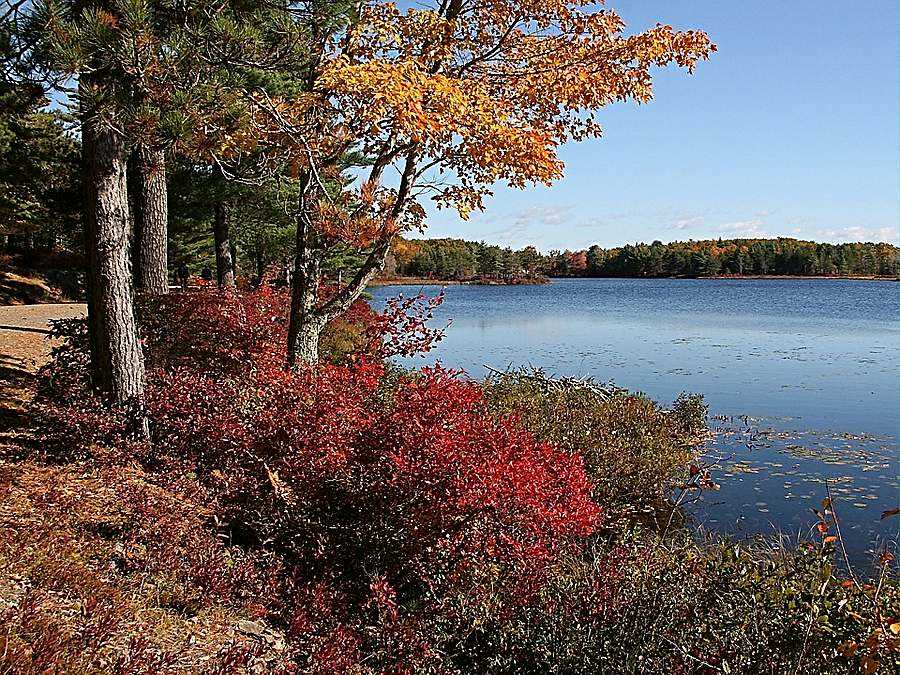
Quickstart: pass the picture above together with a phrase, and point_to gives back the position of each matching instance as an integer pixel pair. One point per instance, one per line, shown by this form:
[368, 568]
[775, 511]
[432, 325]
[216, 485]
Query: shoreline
[421, 281]
[756, 277]
[764, 277]
[424, 281]
[750, 277]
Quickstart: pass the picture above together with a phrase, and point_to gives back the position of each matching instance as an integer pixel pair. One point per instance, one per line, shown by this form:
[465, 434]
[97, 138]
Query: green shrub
[340, 340]
[656, 600]
[635, 603]
[633, 450]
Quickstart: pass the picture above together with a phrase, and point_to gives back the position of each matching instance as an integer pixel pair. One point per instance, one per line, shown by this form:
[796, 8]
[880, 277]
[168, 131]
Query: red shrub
[215, 333]
[393, 515]
[207, 346]
[400, 510]
[402, 328]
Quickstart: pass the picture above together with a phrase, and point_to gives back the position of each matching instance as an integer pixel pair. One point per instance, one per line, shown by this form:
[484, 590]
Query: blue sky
[791, 129]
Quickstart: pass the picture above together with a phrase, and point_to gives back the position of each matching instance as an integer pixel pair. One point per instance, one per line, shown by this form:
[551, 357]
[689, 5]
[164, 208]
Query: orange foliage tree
[443, 101]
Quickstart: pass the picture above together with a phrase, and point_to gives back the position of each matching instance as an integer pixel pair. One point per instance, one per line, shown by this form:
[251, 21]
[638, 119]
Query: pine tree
[40, 188]
[151, 220]
[111, 50]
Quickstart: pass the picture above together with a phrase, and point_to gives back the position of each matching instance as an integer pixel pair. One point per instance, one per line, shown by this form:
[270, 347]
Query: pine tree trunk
[116, 359]
[151, 213]
[221, 234]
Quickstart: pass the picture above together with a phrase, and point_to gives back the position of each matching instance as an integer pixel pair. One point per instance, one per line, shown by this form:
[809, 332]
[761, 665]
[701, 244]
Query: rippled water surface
[802, 378]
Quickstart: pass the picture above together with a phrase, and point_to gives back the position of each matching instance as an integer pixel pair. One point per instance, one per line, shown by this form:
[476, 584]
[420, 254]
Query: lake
[802, 378]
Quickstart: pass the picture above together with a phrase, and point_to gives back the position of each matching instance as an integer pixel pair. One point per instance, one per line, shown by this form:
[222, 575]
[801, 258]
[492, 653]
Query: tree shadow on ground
[16, 384]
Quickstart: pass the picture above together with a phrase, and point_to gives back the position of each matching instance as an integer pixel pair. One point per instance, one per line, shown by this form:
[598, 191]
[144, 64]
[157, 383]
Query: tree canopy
[459, 259]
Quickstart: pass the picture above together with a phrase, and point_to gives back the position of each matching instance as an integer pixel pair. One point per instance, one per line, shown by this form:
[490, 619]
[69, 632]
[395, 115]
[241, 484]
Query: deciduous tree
[444, 100]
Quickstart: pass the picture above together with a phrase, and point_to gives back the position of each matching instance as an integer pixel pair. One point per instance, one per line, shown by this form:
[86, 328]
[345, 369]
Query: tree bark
[309, 318]
[305, 323]
[306, 341]
[151, 213]
[222, 237]
[260, 268]
[116, 359]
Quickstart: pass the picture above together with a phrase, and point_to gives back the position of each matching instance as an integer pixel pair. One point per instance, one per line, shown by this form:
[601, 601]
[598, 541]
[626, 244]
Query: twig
[812, 617]
[687, 654]
[837, 528]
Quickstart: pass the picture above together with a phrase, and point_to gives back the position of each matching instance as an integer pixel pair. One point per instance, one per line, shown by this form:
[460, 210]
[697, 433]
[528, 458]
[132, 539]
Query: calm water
[802, 379]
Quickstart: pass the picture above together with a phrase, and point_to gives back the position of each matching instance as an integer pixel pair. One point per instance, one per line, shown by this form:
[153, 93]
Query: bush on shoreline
[634, 452]
[358, 518]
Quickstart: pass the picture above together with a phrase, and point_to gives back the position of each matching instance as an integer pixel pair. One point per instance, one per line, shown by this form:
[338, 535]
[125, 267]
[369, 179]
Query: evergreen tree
[40, 189]
[127, 86]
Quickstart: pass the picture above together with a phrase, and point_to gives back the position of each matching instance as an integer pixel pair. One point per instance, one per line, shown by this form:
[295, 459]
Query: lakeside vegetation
[360, 518]
[232, 476]
[457, 259]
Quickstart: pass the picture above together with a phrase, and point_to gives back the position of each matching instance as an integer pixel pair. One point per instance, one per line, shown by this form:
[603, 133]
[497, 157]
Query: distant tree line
[459, 260]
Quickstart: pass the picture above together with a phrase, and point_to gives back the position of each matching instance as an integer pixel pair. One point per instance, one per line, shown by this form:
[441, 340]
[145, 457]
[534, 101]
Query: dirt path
[25, 347]
[24, 329]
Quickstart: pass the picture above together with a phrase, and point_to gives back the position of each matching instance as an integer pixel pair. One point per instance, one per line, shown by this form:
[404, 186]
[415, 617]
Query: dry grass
[79, 588]
[102, 569]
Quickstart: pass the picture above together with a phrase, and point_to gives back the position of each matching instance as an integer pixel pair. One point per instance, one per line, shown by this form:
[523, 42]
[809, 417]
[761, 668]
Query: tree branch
[341, 302]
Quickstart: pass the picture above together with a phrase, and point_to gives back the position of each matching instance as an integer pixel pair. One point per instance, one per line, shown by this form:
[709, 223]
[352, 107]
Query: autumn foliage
[408, 521]
[485, 92]
[395, 509]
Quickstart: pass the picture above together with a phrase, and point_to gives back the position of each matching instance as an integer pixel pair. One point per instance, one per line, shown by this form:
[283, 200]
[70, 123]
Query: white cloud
[748, 227]
[525, 222]
[860, 233]
[543, 215]
[687, 223]
[743, 229]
